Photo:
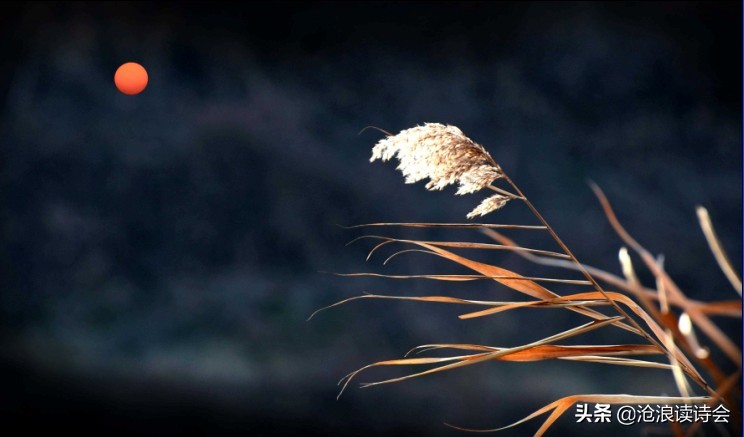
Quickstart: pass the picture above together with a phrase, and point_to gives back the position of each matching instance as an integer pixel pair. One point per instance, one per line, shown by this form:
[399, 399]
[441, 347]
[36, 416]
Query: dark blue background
[161, 252]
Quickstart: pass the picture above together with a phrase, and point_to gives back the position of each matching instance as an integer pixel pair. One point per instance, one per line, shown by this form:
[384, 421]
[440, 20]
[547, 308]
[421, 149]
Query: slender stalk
[504, 192]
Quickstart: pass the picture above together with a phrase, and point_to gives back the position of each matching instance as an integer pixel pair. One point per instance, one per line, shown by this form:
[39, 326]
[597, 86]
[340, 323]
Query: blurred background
[162, 252]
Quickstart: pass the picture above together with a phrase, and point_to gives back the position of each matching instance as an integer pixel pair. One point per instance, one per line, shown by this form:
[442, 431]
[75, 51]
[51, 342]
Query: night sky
[162, 252]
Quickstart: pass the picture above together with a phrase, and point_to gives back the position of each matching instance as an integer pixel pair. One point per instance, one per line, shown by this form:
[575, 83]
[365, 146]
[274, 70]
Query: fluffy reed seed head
[446, 156]
[489, 204]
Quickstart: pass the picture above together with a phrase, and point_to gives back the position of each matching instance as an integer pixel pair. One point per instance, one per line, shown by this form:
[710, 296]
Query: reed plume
[489, 204]
[444, 155]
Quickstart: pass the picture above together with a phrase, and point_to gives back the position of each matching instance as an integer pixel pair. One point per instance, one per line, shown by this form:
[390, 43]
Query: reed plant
[661, 316]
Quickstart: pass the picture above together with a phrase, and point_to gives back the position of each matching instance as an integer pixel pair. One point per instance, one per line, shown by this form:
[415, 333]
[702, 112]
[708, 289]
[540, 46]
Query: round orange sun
[131, 78]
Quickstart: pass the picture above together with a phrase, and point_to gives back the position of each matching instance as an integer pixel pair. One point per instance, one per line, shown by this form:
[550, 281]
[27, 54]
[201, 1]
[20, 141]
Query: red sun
[131, 78]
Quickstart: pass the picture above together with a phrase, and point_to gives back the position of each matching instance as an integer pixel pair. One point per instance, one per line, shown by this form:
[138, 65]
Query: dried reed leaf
[452, 300]
[477, 358]
[401, 252]
[532, 304]
[451, 225]
[730, 308]
[459, 346]
[620, 362]
[463, 245]
[717, 248]
[407, 362]
[439, 299]
[460, 278]
[506, 277]
[546, 352]
[578, 353]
